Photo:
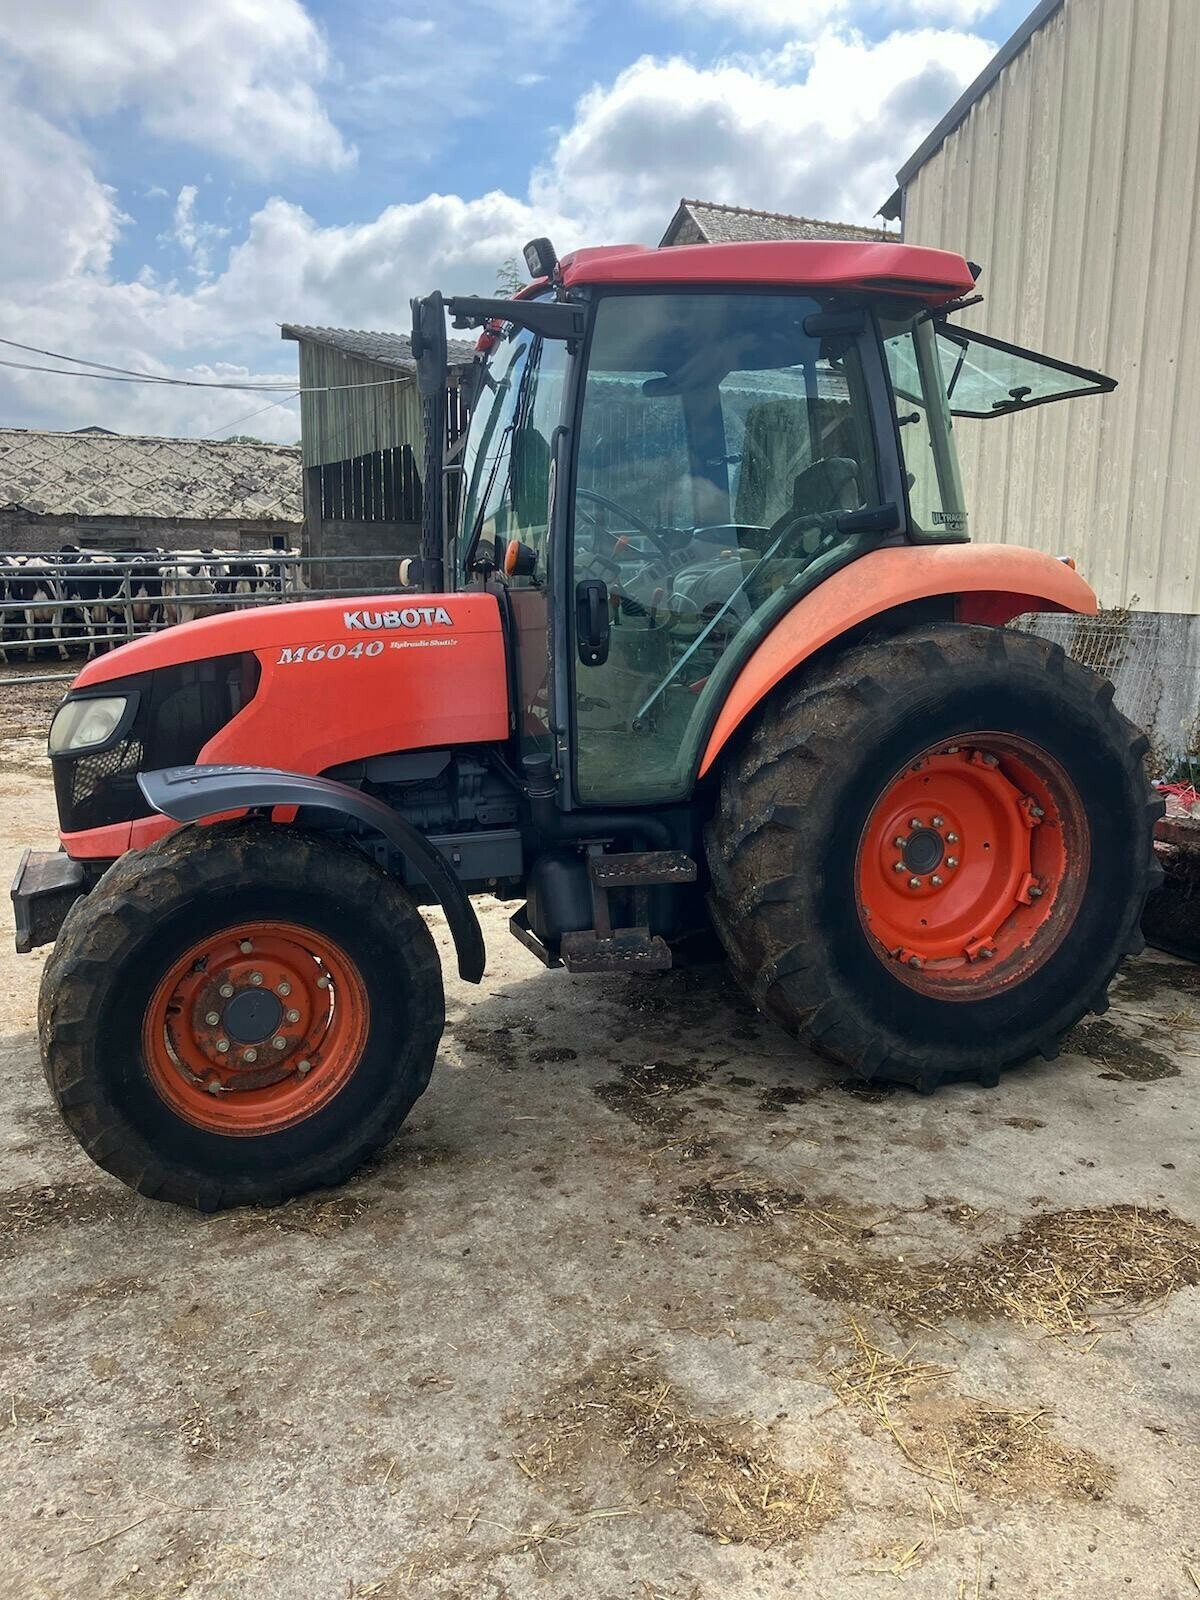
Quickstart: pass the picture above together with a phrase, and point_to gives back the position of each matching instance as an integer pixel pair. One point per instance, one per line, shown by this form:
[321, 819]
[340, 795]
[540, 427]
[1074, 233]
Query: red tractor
[704, 647]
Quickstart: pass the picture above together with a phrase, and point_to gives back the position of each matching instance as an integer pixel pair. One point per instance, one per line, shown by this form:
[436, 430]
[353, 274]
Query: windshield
[721, 447]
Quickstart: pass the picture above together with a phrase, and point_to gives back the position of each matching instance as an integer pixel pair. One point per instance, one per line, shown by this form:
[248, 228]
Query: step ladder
[632, 948]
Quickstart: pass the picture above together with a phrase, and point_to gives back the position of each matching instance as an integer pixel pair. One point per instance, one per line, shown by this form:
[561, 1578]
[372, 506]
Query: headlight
[84, 724]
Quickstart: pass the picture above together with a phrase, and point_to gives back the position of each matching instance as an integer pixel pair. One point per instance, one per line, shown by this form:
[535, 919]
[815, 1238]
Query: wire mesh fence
[1152, 660]
[61, 605]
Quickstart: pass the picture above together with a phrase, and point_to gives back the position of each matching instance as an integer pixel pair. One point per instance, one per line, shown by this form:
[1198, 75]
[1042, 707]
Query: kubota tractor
[703, 647]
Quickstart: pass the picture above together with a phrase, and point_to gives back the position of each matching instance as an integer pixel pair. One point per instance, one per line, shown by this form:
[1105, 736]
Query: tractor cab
[670, 448]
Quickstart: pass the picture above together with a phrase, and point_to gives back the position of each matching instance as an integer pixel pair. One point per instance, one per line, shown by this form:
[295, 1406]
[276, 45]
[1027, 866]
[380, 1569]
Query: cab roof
[931, 277]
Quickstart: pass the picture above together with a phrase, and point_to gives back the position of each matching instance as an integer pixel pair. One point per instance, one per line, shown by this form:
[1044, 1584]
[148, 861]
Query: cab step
[623, 950]
[641, 869]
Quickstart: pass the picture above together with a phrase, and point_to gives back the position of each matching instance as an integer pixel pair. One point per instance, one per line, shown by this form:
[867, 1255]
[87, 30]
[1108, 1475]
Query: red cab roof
[931, 276]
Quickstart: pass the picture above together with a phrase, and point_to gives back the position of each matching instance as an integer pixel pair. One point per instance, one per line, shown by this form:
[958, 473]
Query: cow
[95, 581]
[188, 580]
[33, 605]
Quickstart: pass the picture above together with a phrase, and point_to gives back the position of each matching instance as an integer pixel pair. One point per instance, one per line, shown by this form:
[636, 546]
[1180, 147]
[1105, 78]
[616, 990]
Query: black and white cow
[32, 610]
[188, 580]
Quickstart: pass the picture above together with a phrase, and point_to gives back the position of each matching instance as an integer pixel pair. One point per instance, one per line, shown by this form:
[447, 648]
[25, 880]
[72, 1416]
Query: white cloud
[237, 77]
[195, 238]
[59, 220]
[817, 129]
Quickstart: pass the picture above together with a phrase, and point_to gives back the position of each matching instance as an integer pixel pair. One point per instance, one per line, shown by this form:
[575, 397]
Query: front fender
[991, 583]
[191, 794]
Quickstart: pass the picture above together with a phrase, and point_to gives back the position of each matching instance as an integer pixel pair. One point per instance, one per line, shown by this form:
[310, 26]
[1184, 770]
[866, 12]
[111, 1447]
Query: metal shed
[1070, 170]
[361, 441]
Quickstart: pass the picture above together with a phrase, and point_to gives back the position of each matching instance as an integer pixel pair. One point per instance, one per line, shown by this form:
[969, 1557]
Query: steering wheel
[631, 517]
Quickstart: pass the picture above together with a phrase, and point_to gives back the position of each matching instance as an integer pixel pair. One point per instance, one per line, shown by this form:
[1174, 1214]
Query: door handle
[592, 621]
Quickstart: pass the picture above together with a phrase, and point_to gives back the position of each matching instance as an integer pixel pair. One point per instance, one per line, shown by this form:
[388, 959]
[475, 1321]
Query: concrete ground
[641, 1305]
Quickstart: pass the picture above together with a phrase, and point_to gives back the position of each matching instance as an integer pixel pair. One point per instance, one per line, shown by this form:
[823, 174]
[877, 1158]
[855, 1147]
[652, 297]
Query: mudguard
[190, 794]
[990, 583]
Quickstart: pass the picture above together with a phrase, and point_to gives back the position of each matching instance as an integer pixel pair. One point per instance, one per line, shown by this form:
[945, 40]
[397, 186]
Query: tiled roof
[126, 475]
[720, 224]
[385, 349]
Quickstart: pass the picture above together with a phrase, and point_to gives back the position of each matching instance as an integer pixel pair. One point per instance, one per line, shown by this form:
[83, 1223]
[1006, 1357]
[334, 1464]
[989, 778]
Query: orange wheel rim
[971, 866]
[255, 1028]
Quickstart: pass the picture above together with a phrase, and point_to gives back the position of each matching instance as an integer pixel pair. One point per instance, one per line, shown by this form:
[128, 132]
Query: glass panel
[986, 378]
[508, 451]
[719, 445]
[935, 496]
[508, 478]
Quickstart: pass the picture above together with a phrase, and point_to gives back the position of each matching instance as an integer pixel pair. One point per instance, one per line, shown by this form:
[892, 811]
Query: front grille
[179, 710]
[98, 788]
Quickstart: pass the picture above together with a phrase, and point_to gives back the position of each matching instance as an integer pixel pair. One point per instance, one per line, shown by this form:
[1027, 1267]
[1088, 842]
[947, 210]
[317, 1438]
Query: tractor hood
[302, 687]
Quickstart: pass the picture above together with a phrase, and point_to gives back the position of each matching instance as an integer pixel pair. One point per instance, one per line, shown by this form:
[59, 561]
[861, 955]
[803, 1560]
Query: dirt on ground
[644, 1303]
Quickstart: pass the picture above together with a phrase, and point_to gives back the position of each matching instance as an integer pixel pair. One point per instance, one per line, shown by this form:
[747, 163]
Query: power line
[204, 383]
[237, 421]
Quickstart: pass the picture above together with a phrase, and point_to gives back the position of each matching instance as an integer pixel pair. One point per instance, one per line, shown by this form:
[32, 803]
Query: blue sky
[179, 176]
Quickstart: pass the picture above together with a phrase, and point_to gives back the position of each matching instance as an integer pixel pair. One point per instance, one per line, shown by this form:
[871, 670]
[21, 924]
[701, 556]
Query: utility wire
[203, 383]
[237, 421]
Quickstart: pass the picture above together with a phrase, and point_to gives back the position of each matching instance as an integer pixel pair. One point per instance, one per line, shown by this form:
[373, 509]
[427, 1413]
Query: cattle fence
[58, 606]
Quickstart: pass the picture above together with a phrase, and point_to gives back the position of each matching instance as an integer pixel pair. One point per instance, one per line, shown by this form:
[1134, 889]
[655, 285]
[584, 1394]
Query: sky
[178, 177]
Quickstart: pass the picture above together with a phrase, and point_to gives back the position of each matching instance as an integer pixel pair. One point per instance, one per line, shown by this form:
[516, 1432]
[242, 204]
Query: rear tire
[287, 1091]
[799, 853]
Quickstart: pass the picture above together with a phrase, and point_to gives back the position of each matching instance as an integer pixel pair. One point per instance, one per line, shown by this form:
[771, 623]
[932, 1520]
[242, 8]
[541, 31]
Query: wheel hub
[923, 851]
[255, 1027]
[251, 1016]
[962, 865]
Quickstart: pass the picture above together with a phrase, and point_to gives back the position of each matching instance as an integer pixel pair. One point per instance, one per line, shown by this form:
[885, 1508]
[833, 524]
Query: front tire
[238, 1014]
[930, 857]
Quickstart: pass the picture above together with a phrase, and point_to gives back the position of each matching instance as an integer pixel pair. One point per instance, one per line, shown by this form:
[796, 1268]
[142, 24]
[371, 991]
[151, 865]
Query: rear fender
[194, 794]
[990, 583]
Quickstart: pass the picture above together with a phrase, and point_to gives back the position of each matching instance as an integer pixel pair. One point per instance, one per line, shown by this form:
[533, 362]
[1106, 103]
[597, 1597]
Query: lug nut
[1037, 812]
[223, 1046]
[953, 749]
[951, 838]
[987, 954]
[303, 1066]
[279, 1042]
[256, 978]
[990, 761]
[936, 881]
[212, 1018]
[245, 947]
[1035, 894]
[225, 991]
[914, 822]
[283, 988]
[939, 822]
[914, 883]
[897, 866]
[293, 1016]
[323, 981]
[951, 861]
[899, 841]
[251, 1055]
[915, 961]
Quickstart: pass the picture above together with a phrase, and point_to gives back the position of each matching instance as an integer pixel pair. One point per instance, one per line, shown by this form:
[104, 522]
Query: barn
[1070, 169]
[112, 491]
[362, 443]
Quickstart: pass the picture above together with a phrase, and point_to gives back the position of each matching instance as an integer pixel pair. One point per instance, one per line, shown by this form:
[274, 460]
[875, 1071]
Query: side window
[510, 475]
[934, 487]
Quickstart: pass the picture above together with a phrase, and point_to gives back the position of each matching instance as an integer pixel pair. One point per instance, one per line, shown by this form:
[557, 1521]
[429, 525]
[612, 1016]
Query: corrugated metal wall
[1074, 181]
[354, 422]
